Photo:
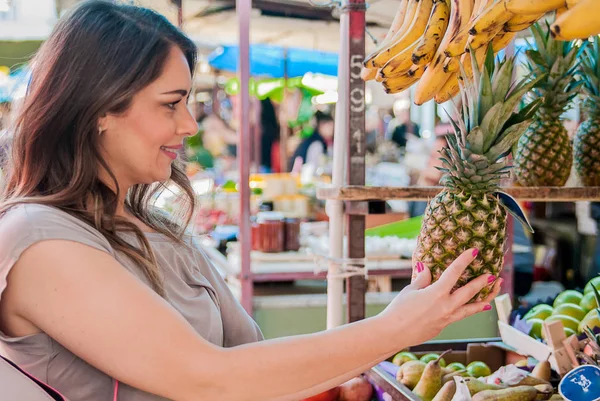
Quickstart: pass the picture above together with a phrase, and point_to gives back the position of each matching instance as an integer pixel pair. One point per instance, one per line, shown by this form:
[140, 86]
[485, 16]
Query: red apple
[329, 395]
[357, 389]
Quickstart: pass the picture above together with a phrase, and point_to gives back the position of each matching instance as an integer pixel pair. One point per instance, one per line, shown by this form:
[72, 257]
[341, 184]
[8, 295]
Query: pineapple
[471, 211]
[587, 139]
[544, 154]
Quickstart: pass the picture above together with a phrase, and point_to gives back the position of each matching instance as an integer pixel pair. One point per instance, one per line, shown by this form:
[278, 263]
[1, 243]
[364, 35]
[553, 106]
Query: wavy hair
[97, 58]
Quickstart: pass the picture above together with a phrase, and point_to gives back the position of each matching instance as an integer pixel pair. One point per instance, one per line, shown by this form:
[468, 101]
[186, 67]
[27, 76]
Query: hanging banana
[436, 28]
[450, 89]
[400, 63]
[415, 31]
[403, 82]
[580, 22]
[458, 43]
[536, 6]
[406, 24]
[521, 22]
[434, 77]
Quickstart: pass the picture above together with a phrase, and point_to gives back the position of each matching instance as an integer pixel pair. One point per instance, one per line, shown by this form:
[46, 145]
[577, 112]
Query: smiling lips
[171, 151]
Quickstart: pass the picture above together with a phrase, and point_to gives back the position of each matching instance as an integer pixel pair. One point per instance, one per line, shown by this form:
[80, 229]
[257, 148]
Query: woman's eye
[172, 105]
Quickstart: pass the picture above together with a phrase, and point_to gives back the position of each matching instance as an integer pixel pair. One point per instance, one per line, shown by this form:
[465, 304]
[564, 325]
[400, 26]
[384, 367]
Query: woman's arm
[88, 302]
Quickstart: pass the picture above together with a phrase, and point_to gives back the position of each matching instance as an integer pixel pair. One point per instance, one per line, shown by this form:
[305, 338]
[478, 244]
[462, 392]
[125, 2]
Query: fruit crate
[559, 350]
[463, 351]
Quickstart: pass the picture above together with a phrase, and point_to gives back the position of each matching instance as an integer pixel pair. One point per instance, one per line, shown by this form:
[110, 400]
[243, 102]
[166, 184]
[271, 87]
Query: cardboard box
[558, 350]
[489, 351]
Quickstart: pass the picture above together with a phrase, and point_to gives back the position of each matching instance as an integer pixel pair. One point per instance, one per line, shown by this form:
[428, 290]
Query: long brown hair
[97, 58]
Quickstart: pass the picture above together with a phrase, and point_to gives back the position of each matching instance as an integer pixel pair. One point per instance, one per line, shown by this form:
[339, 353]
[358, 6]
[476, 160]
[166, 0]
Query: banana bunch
[579, 22]
[429, 40]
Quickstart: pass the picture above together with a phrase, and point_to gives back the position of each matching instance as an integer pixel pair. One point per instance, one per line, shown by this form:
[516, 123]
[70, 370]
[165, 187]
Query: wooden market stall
[348, 197]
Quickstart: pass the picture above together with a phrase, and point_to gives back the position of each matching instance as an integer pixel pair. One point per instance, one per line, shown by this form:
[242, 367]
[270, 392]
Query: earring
[100, 130]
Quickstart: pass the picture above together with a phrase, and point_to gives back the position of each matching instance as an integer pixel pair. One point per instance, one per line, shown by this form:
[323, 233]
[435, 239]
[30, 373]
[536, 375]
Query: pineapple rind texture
[587, 151]
[455, 221]
[544, 154]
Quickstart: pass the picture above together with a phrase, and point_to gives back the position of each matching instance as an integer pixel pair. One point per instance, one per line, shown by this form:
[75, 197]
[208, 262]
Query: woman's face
[140, 144]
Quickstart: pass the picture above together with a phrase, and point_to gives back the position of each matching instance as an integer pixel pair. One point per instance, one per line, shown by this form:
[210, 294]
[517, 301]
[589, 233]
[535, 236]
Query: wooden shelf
[537, 194]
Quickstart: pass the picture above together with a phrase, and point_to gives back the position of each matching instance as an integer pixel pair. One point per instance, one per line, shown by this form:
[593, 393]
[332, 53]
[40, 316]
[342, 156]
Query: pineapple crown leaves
[589, 74]
[486, 128]
[488, 125]
[559, 61]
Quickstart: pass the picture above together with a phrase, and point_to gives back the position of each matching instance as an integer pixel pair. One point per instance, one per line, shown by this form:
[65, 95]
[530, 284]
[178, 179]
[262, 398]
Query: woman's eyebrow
[181, 92]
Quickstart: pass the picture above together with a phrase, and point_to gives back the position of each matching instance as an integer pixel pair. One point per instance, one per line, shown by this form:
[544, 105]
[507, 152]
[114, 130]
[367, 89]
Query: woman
[97, 288]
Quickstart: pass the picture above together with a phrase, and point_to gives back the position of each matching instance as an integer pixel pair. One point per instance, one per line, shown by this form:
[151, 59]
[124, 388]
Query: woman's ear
[103, 124]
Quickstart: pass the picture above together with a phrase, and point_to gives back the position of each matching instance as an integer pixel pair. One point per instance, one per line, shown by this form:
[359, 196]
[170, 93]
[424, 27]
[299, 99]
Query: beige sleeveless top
[192, 286]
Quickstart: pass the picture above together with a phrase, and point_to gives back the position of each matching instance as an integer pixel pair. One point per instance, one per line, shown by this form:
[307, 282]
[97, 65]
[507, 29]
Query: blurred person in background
[270, 158]
[313, 148]
[401, 126]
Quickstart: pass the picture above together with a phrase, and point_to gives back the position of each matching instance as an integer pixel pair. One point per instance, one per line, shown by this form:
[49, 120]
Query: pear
[431, 380]
[410, 373]
[476, 386]
[542, 371]
[447, 392]
[450, 376]
[545, 389]
[521, 393]
[531, 380]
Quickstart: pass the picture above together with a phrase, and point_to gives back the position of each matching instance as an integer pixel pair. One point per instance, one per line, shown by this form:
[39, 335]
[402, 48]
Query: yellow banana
[452, 64]
[580, 22]
[368, 74]
[436, 28]
[521, 22]
[434, 77]
[414, 32]
[560, 11]
[476, 7]
[501, 41]
[533, 6]
[468, 65]
[408, 20]
[396, 25]
[399, 84]
[449, 90]
[400, 63]
[457, 44]
[483, 38]
[494, 16]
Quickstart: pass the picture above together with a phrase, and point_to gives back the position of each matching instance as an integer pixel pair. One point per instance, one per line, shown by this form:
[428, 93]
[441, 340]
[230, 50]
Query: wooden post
[356, 286]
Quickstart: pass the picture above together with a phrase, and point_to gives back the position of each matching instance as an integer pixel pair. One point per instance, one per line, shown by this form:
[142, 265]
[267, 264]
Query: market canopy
[276, 62]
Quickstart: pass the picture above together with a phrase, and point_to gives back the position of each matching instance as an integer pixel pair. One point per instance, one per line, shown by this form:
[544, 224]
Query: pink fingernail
[420, 267]
[487, 307]
[475, 252]
[491, 279]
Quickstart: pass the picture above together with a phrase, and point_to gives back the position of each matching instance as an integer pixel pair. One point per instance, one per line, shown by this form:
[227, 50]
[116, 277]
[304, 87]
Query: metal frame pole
[335, 208]
[243, 8]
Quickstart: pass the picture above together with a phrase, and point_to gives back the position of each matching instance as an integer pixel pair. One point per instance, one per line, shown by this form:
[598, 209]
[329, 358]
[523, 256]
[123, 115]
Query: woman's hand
[422, 310]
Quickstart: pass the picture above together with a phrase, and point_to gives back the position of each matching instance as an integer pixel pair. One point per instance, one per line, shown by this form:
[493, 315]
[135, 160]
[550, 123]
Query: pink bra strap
[116, 390]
